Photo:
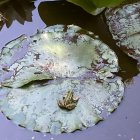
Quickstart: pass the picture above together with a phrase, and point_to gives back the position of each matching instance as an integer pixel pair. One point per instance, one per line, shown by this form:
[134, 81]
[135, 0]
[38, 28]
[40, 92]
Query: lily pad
[36, 107]
[81, 85]
[10, 49]
[57, 51]
[124, 25]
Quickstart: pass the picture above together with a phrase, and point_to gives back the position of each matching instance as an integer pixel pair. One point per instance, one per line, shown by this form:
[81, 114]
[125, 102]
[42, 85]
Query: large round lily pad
[124, 25]
[36, 108]
[81, 85]
[57, 51]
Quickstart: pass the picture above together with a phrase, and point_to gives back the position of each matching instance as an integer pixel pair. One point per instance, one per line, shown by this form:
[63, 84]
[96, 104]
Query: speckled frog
[69, 102]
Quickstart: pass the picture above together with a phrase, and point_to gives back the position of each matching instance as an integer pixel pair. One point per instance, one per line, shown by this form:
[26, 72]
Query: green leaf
[106, 3]
[3, 1]
[88, 5]
[91, 6]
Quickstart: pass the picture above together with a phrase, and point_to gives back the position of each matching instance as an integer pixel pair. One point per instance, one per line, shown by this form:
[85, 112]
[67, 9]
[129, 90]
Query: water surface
[124, 123]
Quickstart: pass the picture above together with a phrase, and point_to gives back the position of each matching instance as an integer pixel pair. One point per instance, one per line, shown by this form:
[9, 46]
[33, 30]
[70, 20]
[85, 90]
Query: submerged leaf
[59, 51]
[37, 108]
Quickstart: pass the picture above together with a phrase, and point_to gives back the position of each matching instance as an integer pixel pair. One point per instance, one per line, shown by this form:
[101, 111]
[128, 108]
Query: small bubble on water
[33, 138]
[52, 138]
[132, 139]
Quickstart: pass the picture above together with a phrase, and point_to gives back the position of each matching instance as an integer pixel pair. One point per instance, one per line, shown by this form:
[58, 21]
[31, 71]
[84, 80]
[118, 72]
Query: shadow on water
[20, 10]
[62, 12]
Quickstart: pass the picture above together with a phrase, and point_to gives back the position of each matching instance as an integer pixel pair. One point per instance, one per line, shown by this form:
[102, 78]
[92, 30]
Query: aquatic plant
[124, 25]
[81, 84]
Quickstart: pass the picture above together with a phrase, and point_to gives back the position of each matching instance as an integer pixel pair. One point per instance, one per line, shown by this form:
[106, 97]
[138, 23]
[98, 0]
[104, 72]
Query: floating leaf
[58, 51]
[82, 86]
[124, 25]
[36, 108]
[95, 6]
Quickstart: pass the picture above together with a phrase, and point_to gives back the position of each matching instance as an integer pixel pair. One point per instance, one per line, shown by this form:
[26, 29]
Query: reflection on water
[20, 10]
[62, 12]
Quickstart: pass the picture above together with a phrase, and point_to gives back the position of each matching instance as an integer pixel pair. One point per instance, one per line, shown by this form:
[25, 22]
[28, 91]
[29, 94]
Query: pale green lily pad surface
[59, 51]
[124, 24]
[37, 107]
[70, 59]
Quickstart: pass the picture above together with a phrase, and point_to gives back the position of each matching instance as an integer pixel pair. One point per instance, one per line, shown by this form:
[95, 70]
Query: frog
[69, 102]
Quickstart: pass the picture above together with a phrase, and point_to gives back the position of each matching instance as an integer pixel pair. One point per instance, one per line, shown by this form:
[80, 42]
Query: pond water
[124, 123]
